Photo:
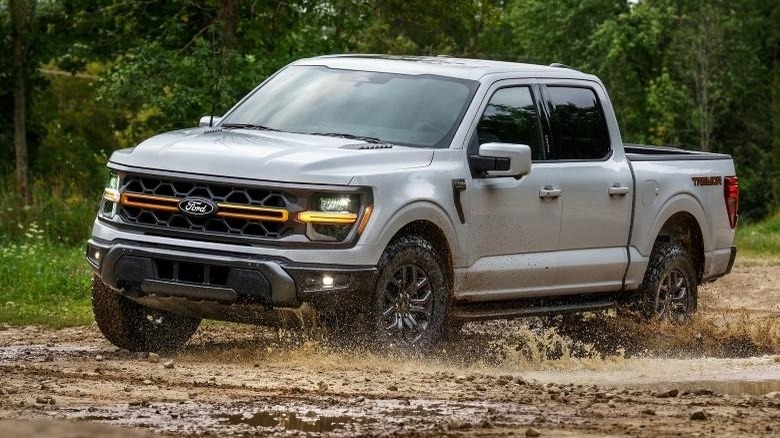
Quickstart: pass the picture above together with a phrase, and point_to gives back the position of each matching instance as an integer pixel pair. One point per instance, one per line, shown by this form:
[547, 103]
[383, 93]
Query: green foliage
[43, 283]
[668, 104]
[691, 73]
[545, 32]
[181, 92]
[762, 238]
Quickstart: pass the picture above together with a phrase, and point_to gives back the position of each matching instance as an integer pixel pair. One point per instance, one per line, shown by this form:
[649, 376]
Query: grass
[43, 283]
[760, 239]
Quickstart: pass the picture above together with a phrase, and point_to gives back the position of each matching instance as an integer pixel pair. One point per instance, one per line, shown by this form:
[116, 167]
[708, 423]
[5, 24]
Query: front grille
[245, 211]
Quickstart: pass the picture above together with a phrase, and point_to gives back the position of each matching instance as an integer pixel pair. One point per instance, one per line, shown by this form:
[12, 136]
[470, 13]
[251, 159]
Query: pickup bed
[402, 196]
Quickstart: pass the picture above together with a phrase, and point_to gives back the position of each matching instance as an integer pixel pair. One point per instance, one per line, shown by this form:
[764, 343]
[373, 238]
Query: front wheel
[411, 299]
[669, 290]
[132, 326]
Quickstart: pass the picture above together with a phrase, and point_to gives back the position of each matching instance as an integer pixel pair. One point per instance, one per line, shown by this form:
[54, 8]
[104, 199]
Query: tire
[134, 327]
[410, 304]
[669, 290]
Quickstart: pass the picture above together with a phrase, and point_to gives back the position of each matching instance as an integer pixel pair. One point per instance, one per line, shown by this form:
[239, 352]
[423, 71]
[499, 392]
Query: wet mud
[594, 375]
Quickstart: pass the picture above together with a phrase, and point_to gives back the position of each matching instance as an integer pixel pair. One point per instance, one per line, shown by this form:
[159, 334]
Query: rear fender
[679, 203]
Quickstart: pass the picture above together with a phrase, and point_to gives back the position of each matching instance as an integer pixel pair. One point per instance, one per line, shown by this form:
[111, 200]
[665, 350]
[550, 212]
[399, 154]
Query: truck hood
[270, 156]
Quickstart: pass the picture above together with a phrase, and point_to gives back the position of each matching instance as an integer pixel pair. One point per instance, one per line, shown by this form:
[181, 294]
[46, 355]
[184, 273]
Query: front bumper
[208, 283]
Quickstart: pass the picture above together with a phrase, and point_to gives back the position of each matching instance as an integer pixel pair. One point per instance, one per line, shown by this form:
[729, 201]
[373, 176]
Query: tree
[559, 31]
[21, 12]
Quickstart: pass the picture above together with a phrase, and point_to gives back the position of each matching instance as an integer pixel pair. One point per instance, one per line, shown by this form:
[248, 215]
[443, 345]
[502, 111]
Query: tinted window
[413, 110]
[511, 117]
[579, 130]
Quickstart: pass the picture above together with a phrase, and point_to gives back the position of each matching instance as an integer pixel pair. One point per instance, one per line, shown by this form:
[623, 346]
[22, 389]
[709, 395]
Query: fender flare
[423, 210]
[679, 203]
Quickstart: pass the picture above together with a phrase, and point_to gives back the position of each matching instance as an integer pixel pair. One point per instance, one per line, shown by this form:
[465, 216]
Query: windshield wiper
[248, 126]
[349, 136]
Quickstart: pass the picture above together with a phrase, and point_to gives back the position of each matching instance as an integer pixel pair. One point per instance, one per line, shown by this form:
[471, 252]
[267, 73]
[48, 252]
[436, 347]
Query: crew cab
[403, 196]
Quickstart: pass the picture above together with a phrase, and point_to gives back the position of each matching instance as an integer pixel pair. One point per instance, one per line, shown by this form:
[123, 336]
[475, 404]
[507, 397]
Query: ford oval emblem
[197, 207]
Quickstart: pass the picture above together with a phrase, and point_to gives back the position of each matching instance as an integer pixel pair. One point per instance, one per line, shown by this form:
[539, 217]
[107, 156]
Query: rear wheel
[130, 325]
[669, 290]
[411, 299]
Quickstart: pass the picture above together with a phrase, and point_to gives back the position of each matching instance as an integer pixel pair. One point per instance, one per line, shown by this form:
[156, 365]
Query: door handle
[548, 192]
[618, 190]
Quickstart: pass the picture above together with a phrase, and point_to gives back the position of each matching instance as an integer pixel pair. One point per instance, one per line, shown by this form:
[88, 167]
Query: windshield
[411, 110]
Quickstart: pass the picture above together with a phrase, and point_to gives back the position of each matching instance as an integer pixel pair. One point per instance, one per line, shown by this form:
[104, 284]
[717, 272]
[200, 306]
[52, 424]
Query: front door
[513, 232]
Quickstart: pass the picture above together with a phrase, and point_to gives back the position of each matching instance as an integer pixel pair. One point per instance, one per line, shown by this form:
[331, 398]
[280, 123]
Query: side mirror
[503, 159]
[205, 121]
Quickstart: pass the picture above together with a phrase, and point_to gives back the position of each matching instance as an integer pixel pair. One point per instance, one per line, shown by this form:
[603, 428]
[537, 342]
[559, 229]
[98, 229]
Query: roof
[463, 68]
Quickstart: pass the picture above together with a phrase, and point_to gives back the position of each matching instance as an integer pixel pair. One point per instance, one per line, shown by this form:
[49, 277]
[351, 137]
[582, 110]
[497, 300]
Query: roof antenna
[218, 73]
[559, 65]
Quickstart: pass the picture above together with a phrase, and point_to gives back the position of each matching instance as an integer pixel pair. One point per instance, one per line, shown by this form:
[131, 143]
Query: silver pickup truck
[402, 196]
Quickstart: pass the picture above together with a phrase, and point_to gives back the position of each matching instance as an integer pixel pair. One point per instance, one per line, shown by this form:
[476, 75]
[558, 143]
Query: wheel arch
[681, 203]
[682, 226]
[428, 220]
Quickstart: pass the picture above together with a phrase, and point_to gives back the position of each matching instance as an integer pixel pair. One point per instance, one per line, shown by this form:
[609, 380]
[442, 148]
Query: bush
[43, 282]
[64, 209]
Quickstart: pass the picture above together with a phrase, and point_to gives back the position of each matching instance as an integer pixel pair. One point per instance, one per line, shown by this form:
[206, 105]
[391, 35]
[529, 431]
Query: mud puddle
[356, 416]
[290, 421]
[741, 387]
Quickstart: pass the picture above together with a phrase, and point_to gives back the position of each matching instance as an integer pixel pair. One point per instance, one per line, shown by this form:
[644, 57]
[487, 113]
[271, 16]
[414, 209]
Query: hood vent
[212, 131]
[364, 146]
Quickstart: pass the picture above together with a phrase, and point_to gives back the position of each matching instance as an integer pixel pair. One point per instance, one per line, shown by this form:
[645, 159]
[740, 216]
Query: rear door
[596, 186]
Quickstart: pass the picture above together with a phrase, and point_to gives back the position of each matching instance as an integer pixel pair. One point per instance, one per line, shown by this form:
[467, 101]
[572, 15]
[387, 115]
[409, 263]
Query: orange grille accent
[152, 202]
[226, 210]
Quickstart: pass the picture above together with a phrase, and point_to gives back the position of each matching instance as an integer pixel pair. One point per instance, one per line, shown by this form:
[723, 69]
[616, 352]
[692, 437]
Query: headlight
[331, 216]
[110, 196]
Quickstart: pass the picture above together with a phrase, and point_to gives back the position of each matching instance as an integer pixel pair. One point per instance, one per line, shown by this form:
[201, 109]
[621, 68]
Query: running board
[474, 312]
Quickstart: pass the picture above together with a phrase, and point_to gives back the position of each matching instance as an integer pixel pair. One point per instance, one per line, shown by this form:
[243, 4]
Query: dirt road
[610, 377]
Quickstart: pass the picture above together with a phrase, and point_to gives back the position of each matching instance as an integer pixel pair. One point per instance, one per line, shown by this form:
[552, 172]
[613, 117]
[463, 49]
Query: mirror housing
[503, 159]
[205, 121]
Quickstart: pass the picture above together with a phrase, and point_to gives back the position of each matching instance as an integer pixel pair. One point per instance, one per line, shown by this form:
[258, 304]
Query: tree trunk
[702, 81]
[775, 169]
[20, 17]
[228, 11]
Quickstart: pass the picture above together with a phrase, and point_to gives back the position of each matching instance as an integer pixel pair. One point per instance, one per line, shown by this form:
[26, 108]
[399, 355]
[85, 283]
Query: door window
[579, 129]
[511, 117]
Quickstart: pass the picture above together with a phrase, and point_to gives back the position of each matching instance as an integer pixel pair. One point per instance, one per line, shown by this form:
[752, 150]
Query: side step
[474, 312]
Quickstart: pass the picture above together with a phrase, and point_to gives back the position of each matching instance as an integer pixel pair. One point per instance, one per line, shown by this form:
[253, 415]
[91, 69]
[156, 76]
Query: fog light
[94, 255]
[313, 281]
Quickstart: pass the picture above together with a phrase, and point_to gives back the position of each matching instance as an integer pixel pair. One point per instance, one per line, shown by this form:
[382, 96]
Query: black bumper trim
[282, 285]
[731, 260]
[284, 278]
[190, 291]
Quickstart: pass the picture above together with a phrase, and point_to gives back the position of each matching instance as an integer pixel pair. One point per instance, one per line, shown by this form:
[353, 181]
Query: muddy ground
[604, 376]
